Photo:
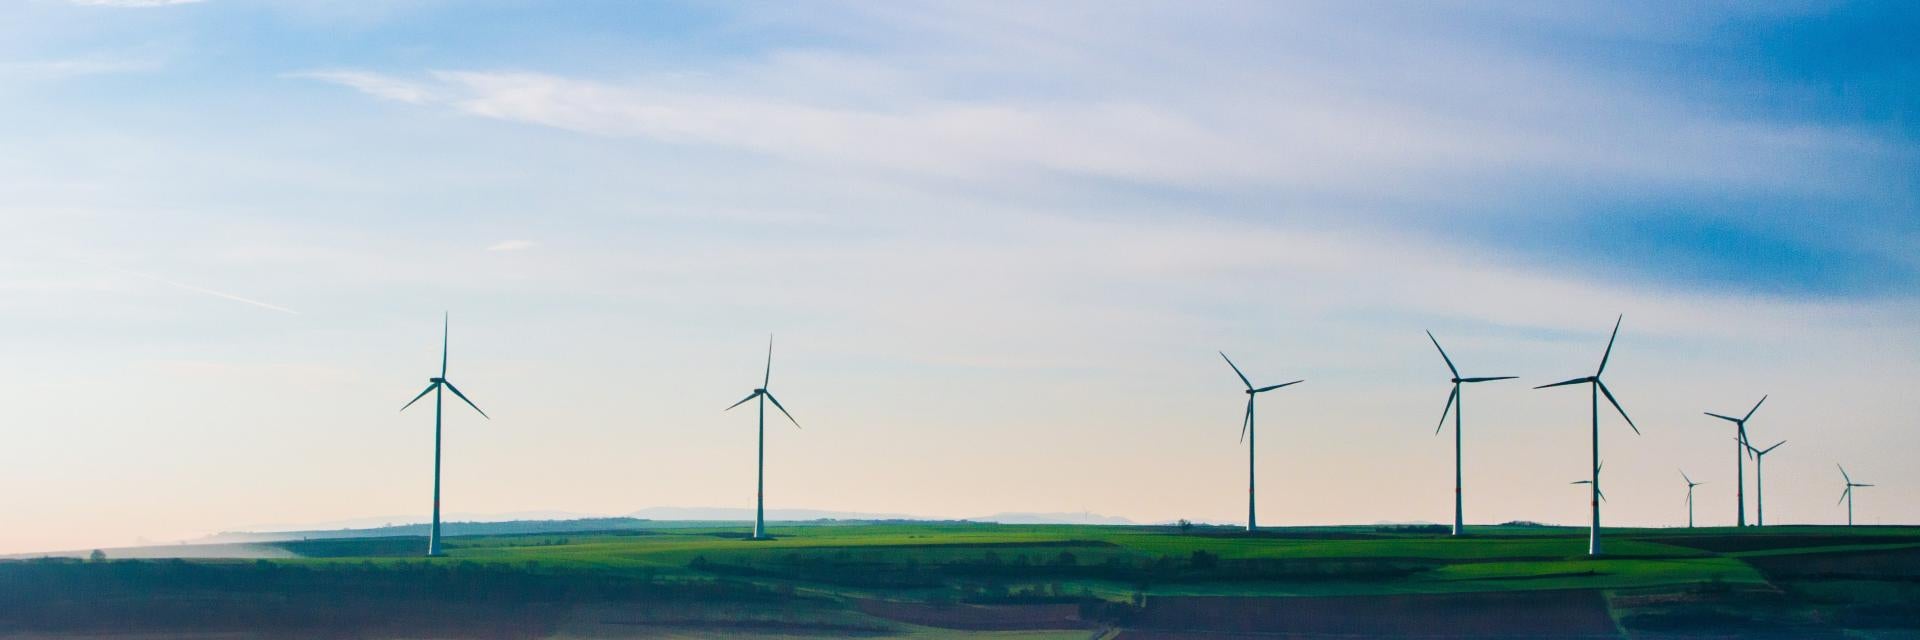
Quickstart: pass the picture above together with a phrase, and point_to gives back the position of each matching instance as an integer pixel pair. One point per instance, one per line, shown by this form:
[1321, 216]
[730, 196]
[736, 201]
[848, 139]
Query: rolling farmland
[932, 580]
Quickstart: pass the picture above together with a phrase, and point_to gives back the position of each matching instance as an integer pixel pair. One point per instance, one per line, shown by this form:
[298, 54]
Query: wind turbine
[760, 466]
[1593, 531]
[1595, 482]
[1739, 465]
[1759, 481]
[1690, 485]
[434, 385]
[1246, 430]
[1847, 495]
[1456, 404]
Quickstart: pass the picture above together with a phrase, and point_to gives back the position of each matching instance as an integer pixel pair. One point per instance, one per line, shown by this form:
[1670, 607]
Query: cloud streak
[74, 67]
[1308, 140]
[374, 84]
[211, 292]
[136, 4]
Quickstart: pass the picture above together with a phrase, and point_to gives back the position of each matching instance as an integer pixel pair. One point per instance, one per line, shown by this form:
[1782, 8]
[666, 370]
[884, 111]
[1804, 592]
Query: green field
[929, 580]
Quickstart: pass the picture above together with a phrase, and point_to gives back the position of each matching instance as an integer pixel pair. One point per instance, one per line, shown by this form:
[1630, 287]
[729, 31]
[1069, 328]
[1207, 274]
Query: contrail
[218, 294]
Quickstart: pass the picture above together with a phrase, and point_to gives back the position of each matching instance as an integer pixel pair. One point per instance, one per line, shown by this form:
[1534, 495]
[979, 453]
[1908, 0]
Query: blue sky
[999, 242]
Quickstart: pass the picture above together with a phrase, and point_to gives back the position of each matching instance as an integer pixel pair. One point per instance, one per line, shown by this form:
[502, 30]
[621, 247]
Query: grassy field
[935, 580]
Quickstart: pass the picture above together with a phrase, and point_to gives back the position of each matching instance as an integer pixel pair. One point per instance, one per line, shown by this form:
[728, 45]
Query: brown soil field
[1524, 614]
[1891, 563]
[1736, 543]
[977, 617]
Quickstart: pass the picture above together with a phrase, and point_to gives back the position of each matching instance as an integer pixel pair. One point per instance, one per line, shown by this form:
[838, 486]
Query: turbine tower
[1456, 404]
[1246, 431]
[1760, 481]
[1690, 485]
[434, 385]
[1739, 465]
[760, 466]
[1847, 495]
[1598, 388]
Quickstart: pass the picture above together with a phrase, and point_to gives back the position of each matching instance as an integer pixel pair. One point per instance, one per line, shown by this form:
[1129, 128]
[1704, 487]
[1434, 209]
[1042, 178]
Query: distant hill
[649, 518]
[1053, 518]
[511, 527]
[733, 514]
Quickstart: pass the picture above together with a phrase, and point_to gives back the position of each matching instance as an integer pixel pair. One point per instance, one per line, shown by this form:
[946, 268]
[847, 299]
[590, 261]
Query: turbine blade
[1489, 379]
[1236, 370]
[417, 398]
[1716, 415]
[1770, 449]
[1246, 420]
[769, 377]
[1756, 407]
[1858, 484]
[1843, 494]
[1602, 494]
[446, 327]
[1616, 405]
[1843, 473]
[1266, 389]
[1683, 476]
[463, 398]
[1609, 353]
[1443, 354]
[783, 410]
[1562, 384]
[1581, 482]
[742, 401]
[1451, 395]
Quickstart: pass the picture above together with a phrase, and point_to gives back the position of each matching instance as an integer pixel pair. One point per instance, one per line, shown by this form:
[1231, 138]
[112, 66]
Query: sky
[998, 246]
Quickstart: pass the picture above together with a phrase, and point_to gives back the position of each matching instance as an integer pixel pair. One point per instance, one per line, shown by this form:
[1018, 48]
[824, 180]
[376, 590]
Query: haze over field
[999, 245]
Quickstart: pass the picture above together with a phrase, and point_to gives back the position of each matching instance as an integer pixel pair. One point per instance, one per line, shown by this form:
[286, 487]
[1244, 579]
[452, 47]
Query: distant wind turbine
[434, 385]
[1602, 494]
[1593, 531]
[1690, 485]
[1760, 481]
[1847, 495]
[760, 466]
[1739, 465]
[1595, 482]
[1246, 431]
[1456, 404]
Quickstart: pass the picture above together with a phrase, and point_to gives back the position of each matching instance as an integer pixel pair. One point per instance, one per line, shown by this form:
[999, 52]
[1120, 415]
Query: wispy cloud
[132, 3]
[74, 67]
[1309, 139]
[211, 292]
[511, 245]
[374, 84]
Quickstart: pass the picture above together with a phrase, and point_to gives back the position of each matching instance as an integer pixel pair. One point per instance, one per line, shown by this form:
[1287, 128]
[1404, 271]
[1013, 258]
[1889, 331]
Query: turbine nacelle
[761, 391]
[1246, 420]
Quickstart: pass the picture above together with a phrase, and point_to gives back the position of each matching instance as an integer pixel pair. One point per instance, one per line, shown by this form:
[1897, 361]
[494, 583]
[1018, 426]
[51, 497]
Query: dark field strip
[977, 617]
[1739, 543]
[935, 546]
[1885, 564]
[1518, 614]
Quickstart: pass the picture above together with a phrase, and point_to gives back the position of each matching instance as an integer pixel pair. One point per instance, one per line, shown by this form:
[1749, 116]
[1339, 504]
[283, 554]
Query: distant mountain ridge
[509, 527]
[736, 514]
[649, 518]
